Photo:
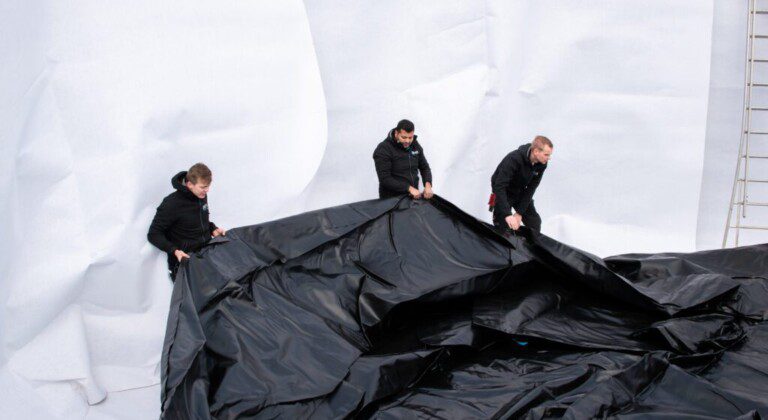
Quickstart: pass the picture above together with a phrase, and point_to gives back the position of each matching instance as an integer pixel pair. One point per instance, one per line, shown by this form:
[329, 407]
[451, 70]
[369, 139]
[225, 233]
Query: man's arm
[163, 220]
[383, 164]
[505, 171]
[426, 172]
[426, 175]
[527, 197]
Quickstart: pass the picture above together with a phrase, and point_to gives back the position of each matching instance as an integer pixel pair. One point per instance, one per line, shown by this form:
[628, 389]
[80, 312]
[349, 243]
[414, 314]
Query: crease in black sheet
[405, 308]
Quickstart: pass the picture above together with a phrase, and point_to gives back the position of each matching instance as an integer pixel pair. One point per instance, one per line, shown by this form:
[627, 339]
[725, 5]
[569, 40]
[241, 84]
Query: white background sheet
[622, 92]
[285, 101]
[102, 104]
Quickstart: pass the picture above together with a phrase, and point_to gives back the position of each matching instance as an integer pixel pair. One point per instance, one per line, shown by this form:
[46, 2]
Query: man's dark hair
[406, 126]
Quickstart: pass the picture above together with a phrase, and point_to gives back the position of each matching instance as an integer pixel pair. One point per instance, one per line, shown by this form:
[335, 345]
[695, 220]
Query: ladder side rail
[745, 128]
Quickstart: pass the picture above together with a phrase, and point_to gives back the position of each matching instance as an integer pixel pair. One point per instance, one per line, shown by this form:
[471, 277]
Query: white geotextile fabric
[103, 102]
[620, 88]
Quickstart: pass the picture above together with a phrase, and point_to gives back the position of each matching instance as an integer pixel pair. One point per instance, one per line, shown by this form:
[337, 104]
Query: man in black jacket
[181, 224]
[514, 182]
[399, 159]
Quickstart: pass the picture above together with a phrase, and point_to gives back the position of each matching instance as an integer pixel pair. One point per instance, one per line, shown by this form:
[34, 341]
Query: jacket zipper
[410, 170]
[200, 213]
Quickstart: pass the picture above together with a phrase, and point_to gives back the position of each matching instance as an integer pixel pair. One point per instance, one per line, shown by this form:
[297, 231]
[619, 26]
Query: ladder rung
[760, 12]
[759, 36]
[758, 84]
[753, 180]
[754, 108]
[751, 203]
[755, 156]
[749, 227]
[757, 132]
[759, 60]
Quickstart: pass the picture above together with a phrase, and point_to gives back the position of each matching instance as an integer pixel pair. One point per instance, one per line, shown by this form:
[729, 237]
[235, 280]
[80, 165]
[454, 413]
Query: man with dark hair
[181, 224]
[514, 182]
[399, 159]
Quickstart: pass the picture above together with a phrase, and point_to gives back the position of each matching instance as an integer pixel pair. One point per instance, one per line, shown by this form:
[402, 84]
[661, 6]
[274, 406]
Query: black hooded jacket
[398, 168]
[514, 182]
[181, 221]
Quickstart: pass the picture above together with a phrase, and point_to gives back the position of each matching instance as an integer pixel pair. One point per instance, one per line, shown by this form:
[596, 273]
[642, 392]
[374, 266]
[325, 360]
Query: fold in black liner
[413, 309]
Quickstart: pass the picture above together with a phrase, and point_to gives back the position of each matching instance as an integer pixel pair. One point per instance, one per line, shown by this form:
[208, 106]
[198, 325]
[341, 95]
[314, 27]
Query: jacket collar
[391, 139]
[179, 182]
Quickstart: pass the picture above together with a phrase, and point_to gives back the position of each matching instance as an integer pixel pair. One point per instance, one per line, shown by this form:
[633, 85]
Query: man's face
[542, 155]
[404, 138]
[200, 190]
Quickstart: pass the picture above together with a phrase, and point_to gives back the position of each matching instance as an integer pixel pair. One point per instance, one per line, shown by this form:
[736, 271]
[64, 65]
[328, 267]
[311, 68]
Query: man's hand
[180, 254]
[219, 231]
[428, 191]
[514, 221]
[415, 193]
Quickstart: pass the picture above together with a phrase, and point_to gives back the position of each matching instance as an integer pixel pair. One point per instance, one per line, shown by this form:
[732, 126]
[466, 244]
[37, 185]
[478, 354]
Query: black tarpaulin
[413, 309]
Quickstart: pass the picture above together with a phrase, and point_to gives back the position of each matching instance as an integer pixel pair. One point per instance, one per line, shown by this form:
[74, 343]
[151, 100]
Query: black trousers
[531, 219]
[173, 267]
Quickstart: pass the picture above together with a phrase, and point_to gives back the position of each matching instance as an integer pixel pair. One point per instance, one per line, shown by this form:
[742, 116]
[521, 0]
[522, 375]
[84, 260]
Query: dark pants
[531, 219]
[173, 267]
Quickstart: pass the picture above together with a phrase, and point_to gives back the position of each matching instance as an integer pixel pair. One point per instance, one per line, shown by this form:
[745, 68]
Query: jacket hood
[525, 152]
[391, 138]
[524, 149]
[179, 183]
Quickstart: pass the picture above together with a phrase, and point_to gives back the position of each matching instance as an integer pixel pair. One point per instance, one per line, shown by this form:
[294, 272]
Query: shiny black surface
[412, 309]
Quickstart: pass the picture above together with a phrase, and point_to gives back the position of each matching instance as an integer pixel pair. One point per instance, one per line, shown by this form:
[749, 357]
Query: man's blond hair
[539, 142]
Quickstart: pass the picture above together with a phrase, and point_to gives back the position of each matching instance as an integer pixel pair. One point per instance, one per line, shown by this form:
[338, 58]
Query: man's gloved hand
[514, 221]
[180, 254]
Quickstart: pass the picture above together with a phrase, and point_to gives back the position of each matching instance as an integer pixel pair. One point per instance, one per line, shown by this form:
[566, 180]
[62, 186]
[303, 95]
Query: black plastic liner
[413, 309]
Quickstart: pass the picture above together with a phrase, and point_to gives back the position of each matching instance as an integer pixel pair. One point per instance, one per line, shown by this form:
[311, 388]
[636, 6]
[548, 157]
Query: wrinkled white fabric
[103, 102]
[620, 89]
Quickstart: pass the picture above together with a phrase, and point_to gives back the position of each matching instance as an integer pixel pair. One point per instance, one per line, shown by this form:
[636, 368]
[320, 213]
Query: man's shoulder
[513, 156]
[171, 199]
[382, 147]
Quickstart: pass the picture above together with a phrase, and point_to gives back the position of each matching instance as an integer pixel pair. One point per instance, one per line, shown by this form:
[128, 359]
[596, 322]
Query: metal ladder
[740, 198]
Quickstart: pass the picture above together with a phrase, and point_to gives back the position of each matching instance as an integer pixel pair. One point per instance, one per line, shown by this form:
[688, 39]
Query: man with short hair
[514, 182]
[399, 159]
[181, 224]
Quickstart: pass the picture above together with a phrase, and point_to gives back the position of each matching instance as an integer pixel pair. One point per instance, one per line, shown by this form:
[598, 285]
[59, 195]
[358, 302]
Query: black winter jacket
[398, 168]
[182, 220]
[514, 182]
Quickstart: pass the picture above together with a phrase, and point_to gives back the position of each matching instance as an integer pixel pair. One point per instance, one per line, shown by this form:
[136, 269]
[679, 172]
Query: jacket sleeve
[527, 197]
[426, 172]
[164, 219]
[383, 163]
[504, 173]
